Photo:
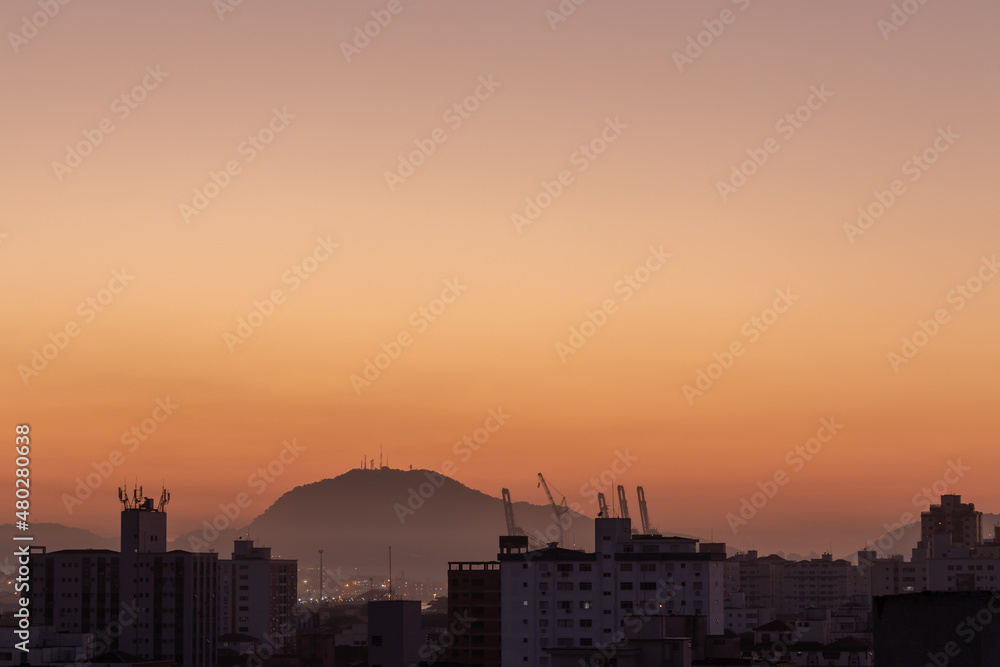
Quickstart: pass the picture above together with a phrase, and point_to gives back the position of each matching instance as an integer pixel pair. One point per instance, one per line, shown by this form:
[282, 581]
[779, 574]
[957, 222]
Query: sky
[716, 249]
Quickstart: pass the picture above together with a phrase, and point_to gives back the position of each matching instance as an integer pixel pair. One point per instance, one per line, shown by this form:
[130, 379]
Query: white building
[257, 595]
[556, 601]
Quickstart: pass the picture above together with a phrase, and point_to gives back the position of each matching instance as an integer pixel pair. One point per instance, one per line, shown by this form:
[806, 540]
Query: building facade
[559, 602]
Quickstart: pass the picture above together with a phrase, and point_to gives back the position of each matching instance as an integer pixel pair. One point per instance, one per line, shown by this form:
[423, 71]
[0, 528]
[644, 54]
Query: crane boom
[602, 504]
[643, 512]
[558, 509]
[622, 503]
[508, 509]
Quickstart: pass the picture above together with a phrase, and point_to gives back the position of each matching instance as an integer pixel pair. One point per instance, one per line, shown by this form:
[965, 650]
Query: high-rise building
[173, 592]
[473, 615]
[960, 520]
[75, 590]
[145, 601]
[560, 603]
[257, 595]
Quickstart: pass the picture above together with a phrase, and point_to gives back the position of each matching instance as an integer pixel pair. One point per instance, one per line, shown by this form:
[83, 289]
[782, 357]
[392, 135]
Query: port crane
[508, 509]
[643, 512]
[622, 502]
[558, 509]
[602, 504]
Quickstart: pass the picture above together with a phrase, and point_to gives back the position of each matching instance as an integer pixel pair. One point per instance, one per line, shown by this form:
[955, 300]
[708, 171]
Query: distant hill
[54, 537]
[357, 516]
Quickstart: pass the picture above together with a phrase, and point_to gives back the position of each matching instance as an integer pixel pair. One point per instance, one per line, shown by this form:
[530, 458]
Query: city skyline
[683, 233]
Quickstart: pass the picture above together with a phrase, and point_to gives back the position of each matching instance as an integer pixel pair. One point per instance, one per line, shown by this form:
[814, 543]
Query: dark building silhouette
[395, 635]
[474, 613]
[960, 520]
[957, 629]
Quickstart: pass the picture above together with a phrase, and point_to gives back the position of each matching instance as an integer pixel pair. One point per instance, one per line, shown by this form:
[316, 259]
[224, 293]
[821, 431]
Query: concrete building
[558, 602]
[474, 611]
[257, 595]
[173, 593]
[144, 602]
[395, 636]
[783, 587]
[824, 583]
[741, 618]
[75, 590]
[943, 560]
[959, 520]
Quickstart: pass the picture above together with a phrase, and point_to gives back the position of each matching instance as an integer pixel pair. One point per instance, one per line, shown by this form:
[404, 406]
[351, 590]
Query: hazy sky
[674, 182]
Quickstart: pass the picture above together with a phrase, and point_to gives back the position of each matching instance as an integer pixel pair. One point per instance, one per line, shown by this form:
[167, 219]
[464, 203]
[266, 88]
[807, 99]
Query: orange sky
[329, 131]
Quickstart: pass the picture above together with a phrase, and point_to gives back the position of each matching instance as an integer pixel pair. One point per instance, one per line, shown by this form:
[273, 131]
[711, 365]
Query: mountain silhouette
[428, 519]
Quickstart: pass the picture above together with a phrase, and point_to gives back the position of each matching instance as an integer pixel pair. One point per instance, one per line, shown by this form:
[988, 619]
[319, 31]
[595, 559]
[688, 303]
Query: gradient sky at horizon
[655, 186]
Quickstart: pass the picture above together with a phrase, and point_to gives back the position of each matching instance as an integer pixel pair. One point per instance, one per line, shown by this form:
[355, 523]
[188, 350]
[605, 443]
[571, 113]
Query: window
[626, 567]
[376, 640]
[626, 586]
[586, 586]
